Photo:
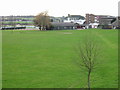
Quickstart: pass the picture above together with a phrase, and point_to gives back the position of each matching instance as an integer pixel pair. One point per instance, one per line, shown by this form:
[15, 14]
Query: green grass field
[47, 59]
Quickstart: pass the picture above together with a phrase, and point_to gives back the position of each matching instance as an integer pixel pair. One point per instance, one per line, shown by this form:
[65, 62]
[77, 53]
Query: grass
[47, 59]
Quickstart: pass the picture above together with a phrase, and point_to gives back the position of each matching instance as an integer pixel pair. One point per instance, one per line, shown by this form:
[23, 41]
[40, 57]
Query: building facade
[99, 21]
[92, 21]
[63, 26]
[75, 19]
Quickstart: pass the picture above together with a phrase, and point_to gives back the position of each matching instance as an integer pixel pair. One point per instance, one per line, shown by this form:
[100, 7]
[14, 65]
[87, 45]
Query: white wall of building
[80, 21]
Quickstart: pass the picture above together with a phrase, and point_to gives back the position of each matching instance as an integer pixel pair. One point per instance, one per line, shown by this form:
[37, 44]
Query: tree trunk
[89, 72]
[40, 28]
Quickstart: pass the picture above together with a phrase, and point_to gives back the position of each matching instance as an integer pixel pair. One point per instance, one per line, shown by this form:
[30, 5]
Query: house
[74, 19]
[56, 19]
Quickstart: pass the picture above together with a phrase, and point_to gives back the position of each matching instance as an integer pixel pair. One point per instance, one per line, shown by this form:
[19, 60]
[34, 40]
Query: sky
[59, 7]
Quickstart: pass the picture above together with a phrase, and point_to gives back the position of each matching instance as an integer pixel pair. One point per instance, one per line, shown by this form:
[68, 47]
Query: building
[92, 21]
[105, 22]
[69, 22]
[75, 19]
[90, 18]
[63, 26]
[56, 19]
[99, 21]
[13, 21]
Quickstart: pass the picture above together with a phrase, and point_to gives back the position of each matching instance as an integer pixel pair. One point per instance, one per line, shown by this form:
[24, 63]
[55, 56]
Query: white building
[94, 25]
[74, 19]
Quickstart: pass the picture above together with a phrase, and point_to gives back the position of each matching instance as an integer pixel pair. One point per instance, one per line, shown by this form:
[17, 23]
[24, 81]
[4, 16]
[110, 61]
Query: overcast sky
[59, 7]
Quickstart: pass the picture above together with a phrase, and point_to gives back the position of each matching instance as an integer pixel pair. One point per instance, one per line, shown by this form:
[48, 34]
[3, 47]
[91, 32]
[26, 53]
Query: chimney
[68, 15]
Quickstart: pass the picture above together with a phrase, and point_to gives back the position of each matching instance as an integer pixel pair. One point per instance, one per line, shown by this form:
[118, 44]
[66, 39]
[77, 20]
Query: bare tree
[42, 20]
[89, 53]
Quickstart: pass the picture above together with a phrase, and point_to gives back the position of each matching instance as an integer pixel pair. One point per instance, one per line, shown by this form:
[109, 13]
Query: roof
[62, 24]
[76, 16]
[104, 16]
[108, 17]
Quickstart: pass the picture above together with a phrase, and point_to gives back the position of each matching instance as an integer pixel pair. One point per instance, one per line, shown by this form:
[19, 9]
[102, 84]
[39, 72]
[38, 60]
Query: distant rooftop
[76, 16]
[105, 16]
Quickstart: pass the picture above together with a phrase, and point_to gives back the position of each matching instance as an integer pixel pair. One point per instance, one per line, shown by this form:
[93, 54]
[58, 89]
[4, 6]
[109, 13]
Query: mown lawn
[47, 59]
